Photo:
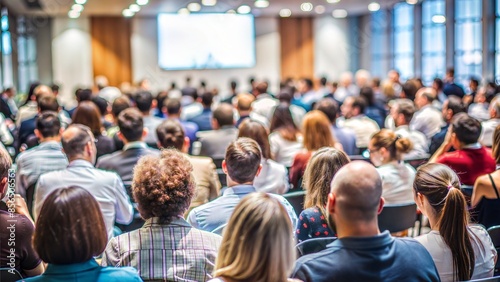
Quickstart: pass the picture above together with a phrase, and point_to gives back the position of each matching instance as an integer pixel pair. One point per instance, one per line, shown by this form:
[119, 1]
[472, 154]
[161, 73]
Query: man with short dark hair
[173, 109]
[402, 111]
[241, 164]
[144, 102]
[451, 106]
[203, 120]
[362, 252]
[264, 103]
[353, 111]
[427, 119]
[471, 159]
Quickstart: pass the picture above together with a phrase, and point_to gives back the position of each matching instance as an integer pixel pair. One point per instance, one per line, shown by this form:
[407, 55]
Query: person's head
[285, 96]
[452, 106]
[102, 104]
[437, 84]
[473, 84]
[244, 103]
[222, 116]
[355, 199]
[393, 75]
[42, 90]
[368, 94]
[450, 73]
[10, 92]
[402, 111]
[438, 196]
[424, 97]
[47, 125]
[495, 107]
[388, 90]
[353, 106]
[329, 107]
[88, 114]
[495, 150]
[258, 132]
[5, 165]
[257, 245]
[242, 161]
[323, 81]
[171, 135]
[78, 143]
[31, 92]
[362, 78]
[305, 85]
[48, 102]
[83, 95]
[409, 90]
[207, 99]
[163, 185]
[282, 122]
[120, 104]
[261, 88]
[317, 131]
[320, 170]
[71, 217]
[465, 130]
[173, 107]
[144, 101]
[385, 146]
[131, 125]
[345, 79]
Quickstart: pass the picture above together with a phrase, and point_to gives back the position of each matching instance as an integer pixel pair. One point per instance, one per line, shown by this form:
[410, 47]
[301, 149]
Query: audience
[285, 139]
[166, 248]
[264, 103]
[427, 119]
[258, 245]
[373, 110]
[460, 251]
[173, 111]
[79, 146]
[354, 118]
[144, 102]
[30, 107]
[26, 134]
[451, 106]
[322, 167]
[273, 177]
[215, 142]
[361, 252]
[480, 108]
[203, 119]
[489, 126]
[386, 153]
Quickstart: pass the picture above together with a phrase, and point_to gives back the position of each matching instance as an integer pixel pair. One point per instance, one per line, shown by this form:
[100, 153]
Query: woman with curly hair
[166, 248]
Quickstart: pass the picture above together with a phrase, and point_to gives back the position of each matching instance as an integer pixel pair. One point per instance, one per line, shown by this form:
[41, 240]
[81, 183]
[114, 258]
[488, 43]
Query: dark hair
[55, 87]
[5, 164]
[323, 81]
[285, 96]
[171, 134]
[466, 128]
[143, 101]
[456, 105]
[410, 89]
[368, 94]
[163, 185]
[120, 104]
[308, 82]
[88, 114]
[450, 71]
[395, 144]
[173, 106]
[207, 99]
[31, 92]
[495, 150]
[474, 80]
[256, 131]
[329, 107]
[76, 145]
[83, 95]
[48, 124]
[131, 124]
[102, 105]
[233, 84]
[282, 122]
[439, 83]
[261, 87]
[48, 102]
[360, 103]
[72, 218]
[441, 187]
[243, 158]
[224, 114]
[160, 99]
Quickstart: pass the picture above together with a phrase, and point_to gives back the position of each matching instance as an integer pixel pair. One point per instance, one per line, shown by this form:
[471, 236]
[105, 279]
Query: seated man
[354, 118]
[361, 252]
[79, 145]
[427, 119]
[144, 102]
[166, 248]
[489, 126]
[241, 164]
[471, 159]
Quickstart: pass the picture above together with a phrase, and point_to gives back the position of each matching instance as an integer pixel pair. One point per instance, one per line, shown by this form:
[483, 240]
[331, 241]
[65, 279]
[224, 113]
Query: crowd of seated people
[188, 185]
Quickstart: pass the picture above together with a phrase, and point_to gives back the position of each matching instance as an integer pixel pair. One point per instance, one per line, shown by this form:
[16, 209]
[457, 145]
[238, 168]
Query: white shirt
[282, 150]
[488, 130]
[479, 111]
[427, 120]
[420, 142]
[264, 105]
[273, 178]
[484, 252]
[106, 187]
[397, 182]
[363, 127]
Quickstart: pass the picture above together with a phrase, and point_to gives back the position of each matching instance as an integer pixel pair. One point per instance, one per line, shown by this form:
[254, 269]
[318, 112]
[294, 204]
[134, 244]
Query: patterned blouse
[312, 224]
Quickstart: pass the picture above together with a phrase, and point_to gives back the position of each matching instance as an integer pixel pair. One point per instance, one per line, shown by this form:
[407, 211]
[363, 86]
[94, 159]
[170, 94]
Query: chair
[489, 279]
[313, 245]
[396, 218]
[416, 162]
[9, 274]
[494, 232]
[296, 199]
[30, 197]
[467, 190]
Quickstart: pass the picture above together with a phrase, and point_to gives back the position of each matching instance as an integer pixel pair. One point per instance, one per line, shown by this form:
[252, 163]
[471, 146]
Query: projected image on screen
[205, 41]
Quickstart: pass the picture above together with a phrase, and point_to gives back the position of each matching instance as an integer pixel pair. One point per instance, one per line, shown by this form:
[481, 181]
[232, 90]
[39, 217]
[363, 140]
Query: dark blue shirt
[203, 120]
[378, 258]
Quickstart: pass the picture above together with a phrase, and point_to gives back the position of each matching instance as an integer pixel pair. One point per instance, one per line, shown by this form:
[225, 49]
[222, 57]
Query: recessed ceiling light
[127, 13]
[412, 2]
[77, 7]
[142, 2]
[244, 9]
[183, 11]
[306, 7]
[194, 7]
[73, 14]
[81, 2]
[332, 1]
[209, 2]
[339, 13]
[320, 9]
[439, 19]
[285, 13]
[231, 11]
[373, 7]
[134, 8]
[261, 3]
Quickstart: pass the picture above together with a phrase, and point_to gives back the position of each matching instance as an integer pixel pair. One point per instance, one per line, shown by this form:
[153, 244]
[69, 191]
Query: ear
[145, 132]
[258, 170]
[38, 134]
[224, 166]
[3, 186]
[381, 205]
[330, 204]
[449, 114]
[154, 104]
[186, 145]
[120, 136]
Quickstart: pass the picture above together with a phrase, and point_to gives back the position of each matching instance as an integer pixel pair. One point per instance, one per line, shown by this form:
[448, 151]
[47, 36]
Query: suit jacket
[215, 142]
[207, 180]
[26, 129]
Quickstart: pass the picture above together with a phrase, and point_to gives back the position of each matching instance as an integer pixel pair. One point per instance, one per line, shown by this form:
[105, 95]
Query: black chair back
[489, 279]
[296, 199]
[30, 196]
[396, 218]
[313, 245]
[467, 190]
[494, 232]
[9, 275]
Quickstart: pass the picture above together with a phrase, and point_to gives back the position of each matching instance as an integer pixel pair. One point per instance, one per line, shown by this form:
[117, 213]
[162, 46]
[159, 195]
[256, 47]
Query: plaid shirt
[173, 252]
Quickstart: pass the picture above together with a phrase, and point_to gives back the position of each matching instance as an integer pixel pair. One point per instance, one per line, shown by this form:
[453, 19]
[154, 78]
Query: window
[27, 55]
[468, 40]
[7, 73]
[433, 40]
[403, 40]
[497, 42]
[379, 44]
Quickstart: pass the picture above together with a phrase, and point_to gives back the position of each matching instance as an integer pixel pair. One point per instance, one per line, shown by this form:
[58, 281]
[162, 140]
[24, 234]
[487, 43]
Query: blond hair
[257, 244]
[395, 144]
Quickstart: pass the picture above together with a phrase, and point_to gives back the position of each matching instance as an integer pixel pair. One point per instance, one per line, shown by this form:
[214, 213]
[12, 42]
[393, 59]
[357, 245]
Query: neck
[244, 113]
[82, 158]
[48, 139]
[145, 114]
[232, 183]
[357, 229]
[174, 116]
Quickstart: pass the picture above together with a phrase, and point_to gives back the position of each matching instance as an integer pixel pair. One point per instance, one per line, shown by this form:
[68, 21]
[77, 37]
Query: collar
[239, 190]
[179, 221]
[226, 127]
[51, 144]
[474, 146]
[80, 163]
[71, 268]
[402, 127]
[363, 243]
[262, 96]
[207, 110]
[135, 145]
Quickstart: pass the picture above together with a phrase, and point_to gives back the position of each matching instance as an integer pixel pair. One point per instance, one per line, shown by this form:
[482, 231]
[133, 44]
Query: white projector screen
[205, 41]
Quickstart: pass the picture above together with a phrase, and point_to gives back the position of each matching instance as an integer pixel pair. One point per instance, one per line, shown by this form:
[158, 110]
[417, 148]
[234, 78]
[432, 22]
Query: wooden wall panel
[111, 54]
[297, 47]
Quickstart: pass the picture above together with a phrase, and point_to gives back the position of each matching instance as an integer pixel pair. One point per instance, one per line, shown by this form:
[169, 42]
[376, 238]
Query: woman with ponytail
[459, 250]
[386, 153]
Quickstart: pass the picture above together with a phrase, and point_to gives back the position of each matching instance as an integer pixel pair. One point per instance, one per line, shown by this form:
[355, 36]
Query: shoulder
[200, 160]
[119, 274]
[205, 235]
[276, 167]
[109, 158]
[412, 245]
[105, 175]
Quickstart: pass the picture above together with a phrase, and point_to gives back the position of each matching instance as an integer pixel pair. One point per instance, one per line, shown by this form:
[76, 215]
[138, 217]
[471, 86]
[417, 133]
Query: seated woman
[257, 245]
[166, 248]
[69, 233]
[285, 138]
[386, 153]
[459, 250]
[273, 176]
[486, 193]
[319, 173]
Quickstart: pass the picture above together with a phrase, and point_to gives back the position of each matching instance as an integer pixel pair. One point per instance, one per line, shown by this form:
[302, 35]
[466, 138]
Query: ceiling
[115, 7]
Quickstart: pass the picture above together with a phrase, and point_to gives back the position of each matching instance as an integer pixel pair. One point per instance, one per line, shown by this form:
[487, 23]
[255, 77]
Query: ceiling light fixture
[208, 2]
[261, 3]
[73, 14]
[439, 19]
[231, 11]
[412, 2]
[183, 11]
[306, 6]
[142, 2]
[77, 7]
[244, 9]
[127, 13]
[194, 7]
[332, 1]
[339, 13]
[373, 7]
[81, 2]
[285, 13]
[134, 8]
[320, 9]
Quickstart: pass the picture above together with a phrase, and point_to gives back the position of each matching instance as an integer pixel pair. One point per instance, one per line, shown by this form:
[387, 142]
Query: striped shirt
[171, 252]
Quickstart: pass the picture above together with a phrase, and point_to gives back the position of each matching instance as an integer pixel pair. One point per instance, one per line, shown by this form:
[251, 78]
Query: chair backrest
[489, 279]
[466, 190]
[313, 245]
[9, 274]
[396, 218]
[30, 196]
[296, 199]
[416, 162]
[494, 232]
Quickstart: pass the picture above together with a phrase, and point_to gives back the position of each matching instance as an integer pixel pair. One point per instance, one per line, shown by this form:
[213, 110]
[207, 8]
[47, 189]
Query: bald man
[427, 119]
[78, 144]
[361, 252]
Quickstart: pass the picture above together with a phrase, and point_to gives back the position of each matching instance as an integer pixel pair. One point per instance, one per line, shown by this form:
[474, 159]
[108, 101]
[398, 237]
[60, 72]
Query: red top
[298, 167]
[469, 164]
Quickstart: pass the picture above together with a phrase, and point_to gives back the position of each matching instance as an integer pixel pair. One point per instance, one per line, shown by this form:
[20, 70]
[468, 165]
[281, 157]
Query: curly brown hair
[163, 185]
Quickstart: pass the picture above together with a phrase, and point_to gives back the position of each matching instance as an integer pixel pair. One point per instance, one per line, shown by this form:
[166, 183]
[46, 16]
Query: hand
[447, 139]
[21, 206]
